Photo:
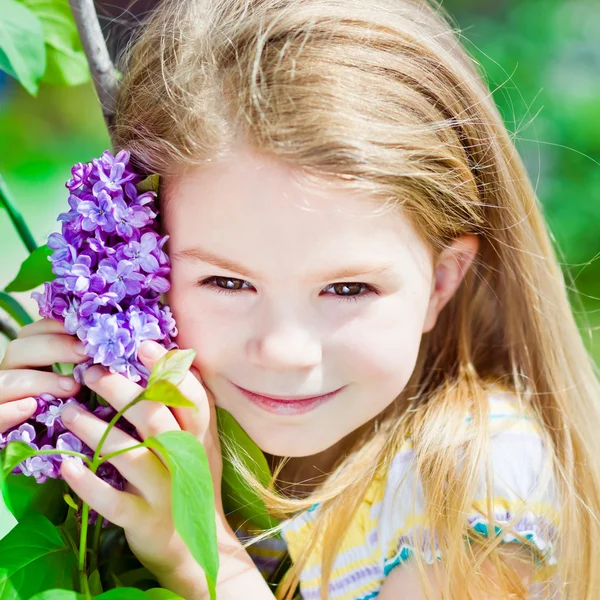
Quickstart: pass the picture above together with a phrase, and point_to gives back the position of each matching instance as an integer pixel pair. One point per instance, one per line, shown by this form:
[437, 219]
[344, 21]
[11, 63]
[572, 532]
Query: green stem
[96, 542]
[16, 217]
[95, 460]
[122, 451]
[85, 512]
[68, 452]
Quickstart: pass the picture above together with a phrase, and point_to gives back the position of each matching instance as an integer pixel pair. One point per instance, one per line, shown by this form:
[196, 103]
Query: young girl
[349, 222]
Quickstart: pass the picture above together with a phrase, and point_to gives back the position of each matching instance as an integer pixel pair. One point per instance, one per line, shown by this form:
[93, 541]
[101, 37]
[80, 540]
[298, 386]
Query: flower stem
[96, 460]
[96, 542]
[122, 451]
[68, 452]
[16, 217]
[85, 511]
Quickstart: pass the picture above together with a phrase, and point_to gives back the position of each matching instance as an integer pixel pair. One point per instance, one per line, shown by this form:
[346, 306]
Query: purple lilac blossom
[110, 271]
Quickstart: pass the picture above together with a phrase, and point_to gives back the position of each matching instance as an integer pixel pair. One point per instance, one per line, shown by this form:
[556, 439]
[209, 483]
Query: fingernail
[79, 348]
[149, 349]
[69, 414]
[92, 375]
[27, 405]
[73, 466]
[67, 383]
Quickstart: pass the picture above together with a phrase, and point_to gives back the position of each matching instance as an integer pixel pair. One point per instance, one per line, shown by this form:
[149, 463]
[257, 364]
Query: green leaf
[167, 393]
[135, 577]
[14, 309]
[192, 498]
[172, 367]
[237, 495]
[125, 593]
[162, 594]
[66, 60]
[150, 184]
[116, 594]
[13, 454]
[7, 519]
[94, 583]
[22, 50]
[58, 595]
[34, 558]
[27, 497]
[35, 270]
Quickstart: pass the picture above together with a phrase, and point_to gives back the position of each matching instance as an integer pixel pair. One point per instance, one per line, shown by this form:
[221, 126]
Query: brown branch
[103, 71]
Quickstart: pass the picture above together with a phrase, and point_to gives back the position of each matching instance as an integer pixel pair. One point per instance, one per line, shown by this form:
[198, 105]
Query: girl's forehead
[239, 211]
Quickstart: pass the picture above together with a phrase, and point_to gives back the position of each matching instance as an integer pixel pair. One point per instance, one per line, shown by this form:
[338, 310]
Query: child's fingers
[16, 384]
[141, 466]
[121, 508]
[42, 350]
[149, 418]
[15, 413]
[196, 421]
[41, 326]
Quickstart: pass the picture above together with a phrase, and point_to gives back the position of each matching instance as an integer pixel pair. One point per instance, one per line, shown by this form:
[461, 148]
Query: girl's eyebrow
[202, 254]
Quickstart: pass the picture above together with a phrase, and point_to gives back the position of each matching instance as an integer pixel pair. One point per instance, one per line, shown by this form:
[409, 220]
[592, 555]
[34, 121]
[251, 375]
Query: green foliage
[238, 497]
[192, 496]
[39, 42]
[34, 558]
[14, 309]
[35, 270]
[172, 367]
[22, 51]
[67, 63]
[167, 393]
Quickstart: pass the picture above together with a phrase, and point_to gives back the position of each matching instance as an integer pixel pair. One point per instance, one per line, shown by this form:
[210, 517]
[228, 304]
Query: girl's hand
[143, 509]
[39, 344]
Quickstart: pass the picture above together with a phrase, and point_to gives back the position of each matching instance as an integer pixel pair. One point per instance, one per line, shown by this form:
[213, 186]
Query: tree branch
[103, 71]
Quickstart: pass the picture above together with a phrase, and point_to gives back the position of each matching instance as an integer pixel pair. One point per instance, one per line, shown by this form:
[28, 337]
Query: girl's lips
[287, 407]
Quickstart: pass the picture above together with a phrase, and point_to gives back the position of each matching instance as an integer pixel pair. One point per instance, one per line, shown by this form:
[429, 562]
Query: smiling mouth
[287, 398]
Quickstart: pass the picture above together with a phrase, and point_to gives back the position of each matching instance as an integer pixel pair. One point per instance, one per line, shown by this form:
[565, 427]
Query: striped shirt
[381, 534]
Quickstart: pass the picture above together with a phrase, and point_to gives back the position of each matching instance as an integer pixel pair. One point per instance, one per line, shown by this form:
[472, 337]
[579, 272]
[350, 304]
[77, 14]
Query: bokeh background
[541, 59]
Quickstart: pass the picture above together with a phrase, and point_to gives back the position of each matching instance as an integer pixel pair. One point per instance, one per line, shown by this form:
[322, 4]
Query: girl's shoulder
[518, 483]
[382, 533]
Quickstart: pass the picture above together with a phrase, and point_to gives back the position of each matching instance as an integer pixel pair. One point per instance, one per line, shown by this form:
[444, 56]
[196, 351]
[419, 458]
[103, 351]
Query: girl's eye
[233, 286]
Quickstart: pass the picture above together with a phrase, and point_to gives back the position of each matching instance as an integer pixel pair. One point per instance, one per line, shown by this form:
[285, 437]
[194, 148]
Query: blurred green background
[542, 60]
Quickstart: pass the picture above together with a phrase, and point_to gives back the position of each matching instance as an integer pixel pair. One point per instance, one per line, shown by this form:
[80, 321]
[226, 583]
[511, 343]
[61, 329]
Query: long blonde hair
[380, 96]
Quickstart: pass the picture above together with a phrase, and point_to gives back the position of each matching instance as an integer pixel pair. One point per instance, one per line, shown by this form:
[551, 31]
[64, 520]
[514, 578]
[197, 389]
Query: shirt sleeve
[522, 492]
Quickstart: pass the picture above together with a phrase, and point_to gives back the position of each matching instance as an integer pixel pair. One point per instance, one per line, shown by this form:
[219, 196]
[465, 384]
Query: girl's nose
[286, 347]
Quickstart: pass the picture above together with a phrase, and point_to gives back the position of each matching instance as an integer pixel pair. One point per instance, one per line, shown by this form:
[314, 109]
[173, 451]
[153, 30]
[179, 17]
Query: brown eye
[224, 285]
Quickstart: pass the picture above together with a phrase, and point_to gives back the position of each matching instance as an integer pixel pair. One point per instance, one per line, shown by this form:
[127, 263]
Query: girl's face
[288, 327]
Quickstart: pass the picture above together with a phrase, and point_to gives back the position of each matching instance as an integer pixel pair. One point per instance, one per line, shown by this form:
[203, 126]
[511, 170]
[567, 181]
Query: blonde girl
[350, 223]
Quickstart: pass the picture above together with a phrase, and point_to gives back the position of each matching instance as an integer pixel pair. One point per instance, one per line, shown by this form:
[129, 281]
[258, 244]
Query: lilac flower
[140, 253]
[107, 342]
[80, 173]
[125, 281]
[128, 217]
[91, 303]
[77, 279]
[51, 304]
[51, 416]
[110, 271]
[25, 433]
[62, 249]
[99, 214]
[117, 172]
[40, 467]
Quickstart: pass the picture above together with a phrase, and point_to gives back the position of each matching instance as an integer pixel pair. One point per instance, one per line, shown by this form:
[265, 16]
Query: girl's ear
[450, 269]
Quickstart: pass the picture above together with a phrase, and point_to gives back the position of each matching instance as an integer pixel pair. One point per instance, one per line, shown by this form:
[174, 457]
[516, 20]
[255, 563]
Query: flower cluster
[110, 271]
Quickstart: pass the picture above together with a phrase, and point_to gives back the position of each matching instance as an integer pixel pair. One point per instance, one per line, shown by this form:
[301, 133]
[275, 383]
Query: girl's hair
[379, 96]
